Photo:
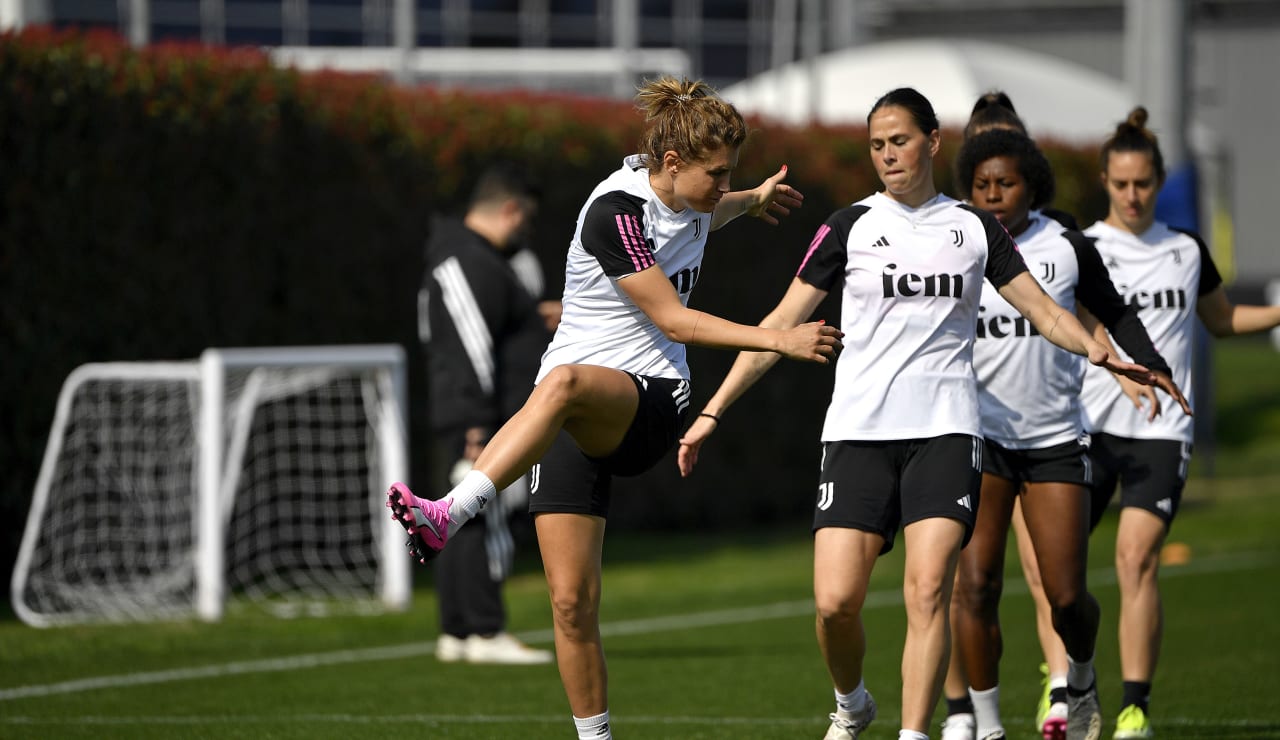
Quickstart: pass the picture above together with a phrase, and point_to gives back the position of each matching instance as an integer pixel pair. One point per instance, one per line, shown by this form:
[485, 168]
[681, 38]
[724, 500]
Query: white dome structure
[1055, 98]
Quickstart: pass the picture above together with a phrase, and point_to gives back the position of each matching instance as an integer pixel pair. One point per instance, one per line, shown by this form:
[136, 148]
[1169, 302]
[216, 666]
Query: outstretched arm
[767, 201]
[1141, 396]
[798, 304]
[1061, 327]
[1225, 319]
[652, 292]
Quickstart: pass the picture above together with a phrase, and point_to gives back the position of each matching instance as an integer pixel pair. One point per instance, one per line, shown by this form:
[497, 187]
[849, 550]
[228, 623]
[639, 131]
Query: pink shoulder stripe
[633, 241]
[823, 230]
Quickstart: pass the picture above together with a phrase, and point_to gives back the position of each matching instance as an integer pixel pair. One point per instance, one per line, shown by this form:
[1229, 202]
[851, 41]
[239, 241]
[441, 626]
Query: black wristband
[712, 417]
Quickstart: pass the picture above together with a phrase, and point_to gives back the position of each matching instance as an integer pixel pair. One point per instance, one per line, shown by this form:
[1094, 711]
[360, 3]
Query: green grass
[742, 663]
[707, 637]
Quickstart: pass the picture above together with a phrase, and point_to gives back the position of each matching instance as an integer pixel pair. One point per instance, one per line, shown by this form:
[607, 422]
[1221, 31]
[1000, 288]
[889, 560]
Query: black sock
[1137, 693]
[959, 706]
[1058, 695]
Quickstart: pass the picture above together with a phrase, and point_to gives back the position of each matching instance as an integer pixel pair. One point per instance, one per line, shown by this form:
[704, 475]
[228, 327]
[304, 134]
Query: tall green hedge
[157, 202]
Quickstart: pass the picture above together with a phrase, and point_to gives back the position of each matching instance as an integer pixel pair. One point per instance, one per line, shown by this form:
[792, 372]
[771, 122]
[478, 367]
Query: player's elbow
[675, 325]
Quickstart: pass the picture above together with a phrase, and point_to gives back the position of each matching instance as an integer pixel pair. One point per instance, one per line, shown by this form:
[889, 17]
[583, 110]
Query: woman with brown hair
[613, 389]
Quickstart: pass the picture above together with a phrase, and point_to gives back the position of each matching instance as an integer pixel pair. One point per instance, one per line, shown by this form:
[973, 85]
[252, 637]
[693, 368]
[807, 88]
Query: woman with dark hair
[901, 444]
[1035, 452]
[1170, 277]
[994, 111]
[613, 389]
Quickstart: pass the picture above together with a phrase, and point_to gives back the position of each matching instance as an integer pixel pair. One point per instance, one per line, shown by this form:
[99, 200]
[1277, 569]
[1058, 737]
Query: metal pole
[1156, 51]
[626, 37]
[405, 31]
[811, 49]
[136, 21]
[1157, 48]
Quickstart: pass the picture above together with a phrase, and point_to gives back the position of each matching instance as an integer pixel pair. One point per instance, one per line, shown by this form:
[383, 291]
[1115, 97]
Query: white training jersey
[625, 228]
[1029, 388]
[910, 279]
[1163, 272]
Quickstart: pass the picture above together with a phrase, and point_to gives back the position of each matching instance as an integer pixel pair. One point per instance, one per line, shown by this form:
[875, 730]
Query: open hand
[775, 198]
[691, 443]
[1098, 355]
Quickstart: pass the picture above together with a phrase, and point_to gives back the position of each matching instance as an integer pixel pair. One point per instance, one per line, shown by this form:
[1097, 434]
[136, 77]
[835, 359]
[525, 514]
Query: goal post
[251, 476]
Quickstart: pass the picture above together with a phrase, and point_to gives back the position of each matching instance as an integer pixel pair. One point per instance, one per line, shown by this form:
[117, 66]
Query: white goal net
[250, 478]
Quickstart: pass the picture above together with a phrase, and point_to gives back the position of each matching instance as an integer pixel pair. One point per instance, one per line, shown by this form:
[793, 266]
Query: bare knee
[924, 598]
[562, 385]
[1136, 561]
[576, 614]
[836, 611]
[978, 589]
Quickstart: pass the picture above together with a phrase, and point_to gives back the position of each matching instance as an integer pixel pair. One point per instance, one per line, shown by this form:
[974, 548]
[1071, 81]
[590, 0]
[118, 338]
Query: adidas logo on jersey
[881, 242]
[1165, 505]
[964, 501]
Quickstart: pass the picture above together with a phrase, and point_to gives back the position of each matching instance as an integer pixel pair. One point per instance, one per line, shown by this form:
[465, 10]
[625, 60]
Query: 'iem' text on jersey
[911, 281]
[1020, 415]
[1163, 272]
[1029, 388]
[625, 228]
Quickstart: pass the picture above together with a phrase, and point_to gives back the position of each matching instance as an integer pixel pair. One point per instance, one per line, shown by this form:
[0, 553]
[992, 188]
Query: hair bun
[1137, 118]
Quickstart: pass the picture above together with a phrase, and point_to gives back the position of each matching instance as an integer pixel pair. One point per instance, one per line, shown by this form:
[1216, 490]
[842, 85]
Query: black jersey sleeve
[1062, 217]
[613, 233]
[1210, 278]
[827, 257]
[1004, 261]
[1096, 292]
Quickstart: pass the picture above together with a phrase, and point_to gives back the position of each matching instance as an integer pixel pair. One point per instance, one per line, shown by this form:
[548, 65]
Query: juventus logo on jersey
[697, 228]
[535, 478]
[1050, 272]
[957, 237]
[1177, 256]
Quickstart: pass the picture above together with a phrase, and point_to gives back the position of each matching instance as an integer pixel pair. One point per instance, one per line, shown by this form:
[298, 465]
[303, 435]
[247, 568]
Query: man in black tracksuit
[483, 337]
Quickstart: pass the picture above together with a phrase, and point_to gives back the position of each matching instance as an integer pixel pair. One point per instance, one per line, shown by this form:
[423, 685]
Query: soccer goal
[249, 478]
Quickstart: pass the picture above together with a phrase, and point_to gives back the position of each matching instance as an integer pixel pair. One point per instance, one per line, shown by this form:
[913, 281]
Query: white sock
[594, 728]
[469, 497]
[986, 710]
[911, 735]
[853, 702]
[1079, 675]
[1058, 682]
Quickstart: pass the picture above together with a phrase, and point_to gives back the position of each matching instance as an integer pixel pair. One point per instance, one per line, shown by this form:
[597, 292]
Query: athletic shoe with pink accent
[1054, 726]
[427, 522]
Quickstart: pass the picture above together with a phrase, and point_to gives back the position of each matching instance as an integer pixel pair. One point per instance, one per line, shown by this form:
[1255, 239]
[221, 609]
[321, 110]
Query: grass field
[707, 637]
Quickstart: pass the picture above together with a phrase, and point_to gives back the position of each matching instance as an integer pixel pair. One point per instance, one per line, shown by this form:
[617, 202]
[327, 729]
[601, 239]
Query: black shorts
[1064, 463]
[1151, 474]
[879, 486]
[566, 480]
